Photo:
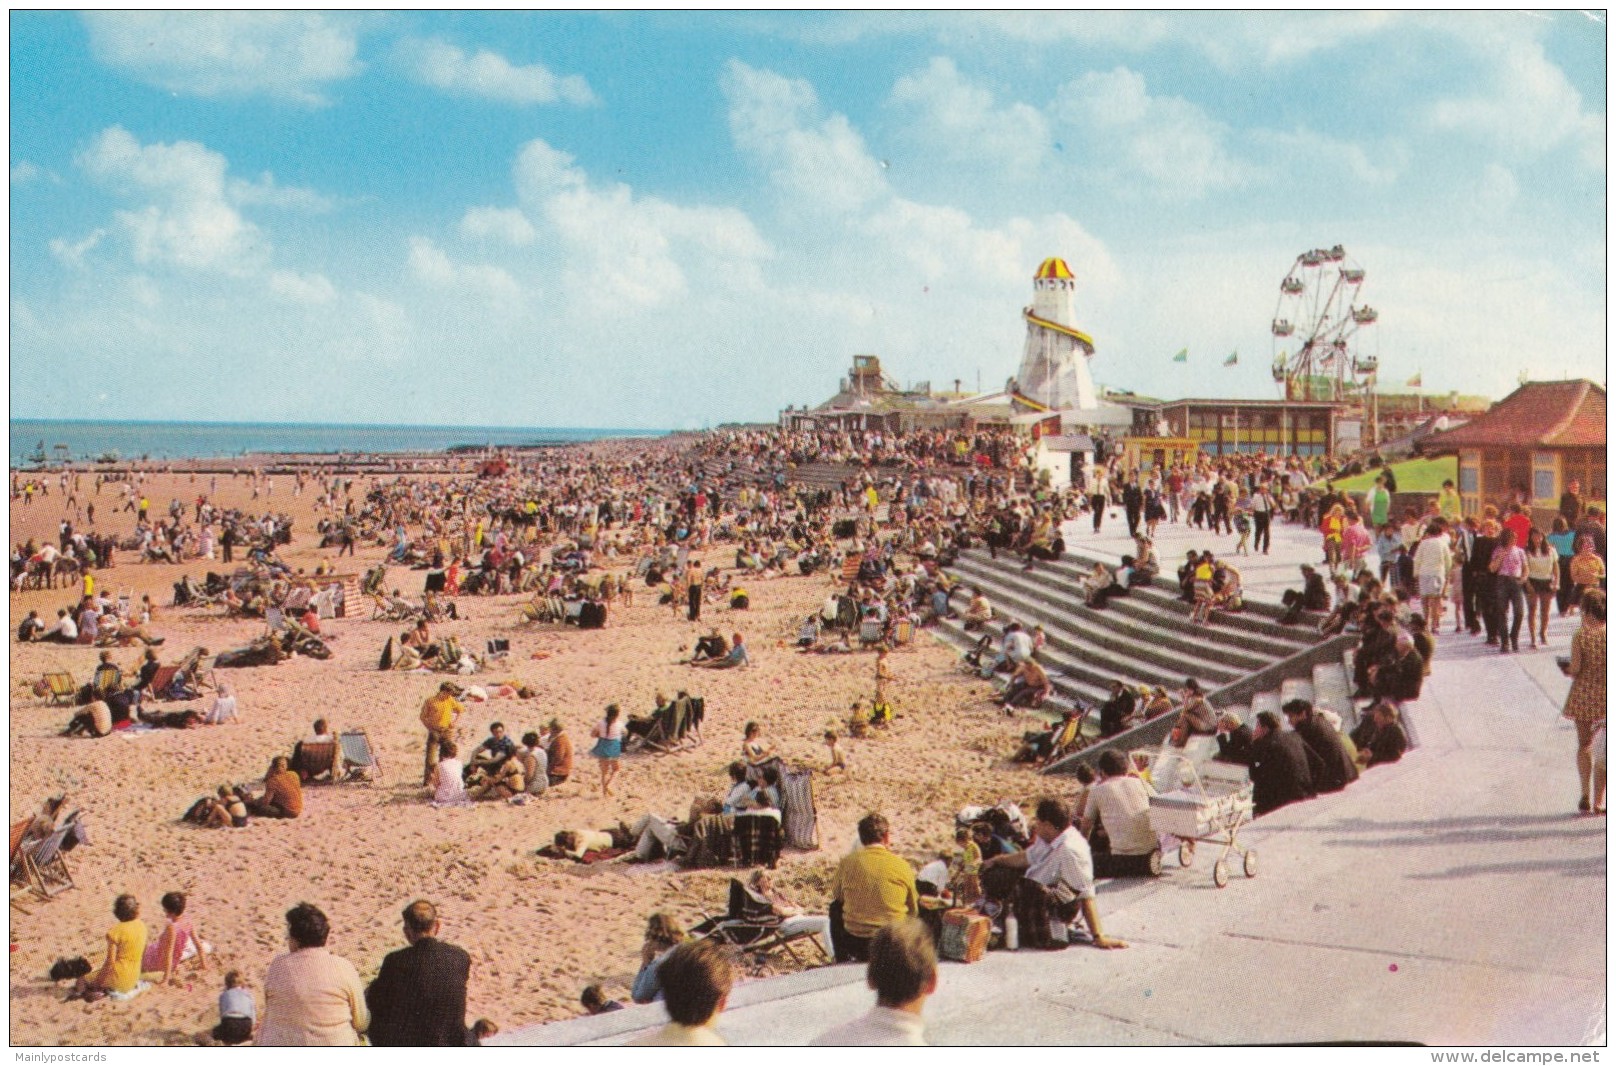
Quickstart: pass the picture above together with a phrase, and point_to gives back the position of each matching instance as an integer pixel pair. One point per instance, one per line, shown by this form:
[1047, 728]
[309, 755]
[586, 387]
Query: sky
[664, 221]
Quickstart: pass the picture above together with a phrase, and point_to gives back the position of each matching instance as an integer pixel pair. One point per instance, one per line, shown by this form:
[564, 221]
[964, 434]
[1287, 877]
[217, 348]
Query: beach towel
[132, 993]
[588, 858]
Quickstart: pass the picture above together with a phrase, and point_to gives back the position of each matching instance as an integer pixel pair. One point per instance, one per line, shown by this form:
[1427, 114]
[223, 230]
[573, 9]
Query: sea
[84, 441]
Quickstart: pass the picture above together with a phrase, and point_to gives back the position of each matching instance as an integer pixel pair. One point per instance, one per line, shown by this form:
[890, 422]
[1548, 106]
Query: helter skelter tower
[1054, 366]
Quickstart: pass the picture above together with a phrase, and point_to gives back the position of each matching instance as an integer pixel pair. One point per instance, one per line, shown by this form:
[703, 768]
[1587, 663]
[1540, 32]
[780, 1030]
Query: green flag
[1183, 356]
[1234, 357]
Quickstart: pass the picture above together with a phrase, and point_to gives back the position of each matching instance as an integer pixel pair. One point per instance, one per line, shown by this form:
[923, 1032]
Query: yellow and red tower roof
[1053, 269]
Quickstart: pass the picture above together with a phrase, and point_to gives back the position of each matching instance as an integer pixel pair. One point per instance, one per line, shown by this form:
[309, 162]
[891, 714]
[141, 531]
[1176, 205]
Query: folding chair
[799, 822]
[162, 680]
[62, 688]
[360, 756]
[1065, 739]
[43, 866]
[871, 631]
[752, 924]
[312, 760]
[667, 733]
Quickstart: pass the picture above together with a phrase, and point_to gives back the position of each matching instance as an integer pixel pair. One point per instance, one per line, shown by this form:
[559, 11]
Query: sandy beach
[537, 930]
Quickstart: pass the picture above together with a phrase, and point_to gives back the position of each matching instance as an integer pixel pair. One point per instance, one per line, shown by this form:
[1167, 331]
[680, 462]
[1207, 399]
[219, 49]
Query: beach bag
[965, 935]
[68, 969]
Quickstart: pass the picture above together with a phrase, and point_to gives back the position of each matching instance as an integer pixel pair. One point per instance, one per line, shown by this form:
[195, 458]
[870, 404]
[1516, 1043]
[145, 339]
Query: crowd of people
[888, 537]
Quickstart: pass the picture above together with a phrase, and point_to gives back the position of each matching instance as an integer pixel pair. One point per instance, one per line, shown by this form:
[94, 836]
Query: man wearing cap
[439, 714]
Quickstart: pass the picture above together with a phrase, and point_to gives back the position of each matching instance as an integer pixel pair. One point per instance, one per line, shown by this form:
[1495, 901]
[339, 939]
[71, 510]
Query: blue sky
[669, 220]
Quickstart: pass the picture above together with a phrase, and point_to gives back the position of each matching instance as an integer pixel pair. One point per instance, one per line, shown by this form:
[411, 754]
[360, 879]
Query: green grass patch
[1413, 475]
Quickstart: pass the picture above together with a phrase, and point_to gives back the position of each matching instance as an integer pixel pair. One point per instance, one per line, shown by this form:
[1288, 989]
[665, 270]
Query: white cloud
[428, 263]
[1283, 155]
[820, 162]
[489, 75]
[626, 250]
[1168, 142]
[960, 121]
[302, 288]
[1496, 190]
[1528, 109]
[286, 55]
[73, 252]
[190, 222]
[264, 192]
[506, 224]
[23, 172]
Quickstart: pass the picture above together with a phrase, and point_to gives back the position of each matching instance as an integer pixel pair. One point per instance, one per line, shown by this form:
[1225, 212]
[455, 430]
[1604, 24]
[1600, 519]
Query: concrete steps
[1139, 632]
[1145, 637]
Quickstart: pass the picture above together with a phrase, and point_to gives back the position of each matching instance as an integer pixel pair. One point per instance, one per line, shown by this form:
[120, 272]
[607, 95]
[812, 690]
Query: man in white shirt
[1014, 650]
[65, 631]
[1121, 803]
[903, 972]
[1059, 881]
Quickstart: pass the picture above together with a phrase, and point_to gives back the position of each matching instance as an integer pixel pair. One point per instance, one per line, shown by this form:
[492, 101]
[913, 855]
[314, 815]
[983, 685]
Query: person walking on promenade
[1585, 703]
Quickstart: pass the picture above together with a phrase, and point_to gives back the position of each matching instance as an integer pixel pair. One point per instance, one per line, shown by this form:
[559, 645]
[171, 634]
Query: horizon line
[327, 425]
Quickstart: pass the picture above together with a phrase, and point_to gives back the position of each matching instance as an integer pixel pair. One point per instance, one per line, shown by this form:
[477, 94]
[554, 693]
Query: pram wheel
[1186, 853]
[1155, 865]
[1220, 873]
[1250, 864]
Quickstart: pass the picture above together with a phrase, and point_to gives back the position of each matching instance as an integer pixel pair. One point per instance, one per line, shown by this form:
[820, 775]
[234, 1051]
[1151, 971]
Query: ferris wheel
[1326, 346]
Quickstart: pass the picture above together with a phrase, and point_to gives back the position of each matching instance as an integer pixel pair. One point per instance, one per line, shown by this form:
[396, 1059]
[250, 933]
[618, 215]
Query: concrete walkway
[1454, 898]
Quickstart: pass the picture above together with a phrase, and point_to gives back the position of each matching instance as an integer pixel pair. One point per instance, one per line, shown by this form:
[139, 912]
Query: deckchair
[753, 925]
[850, 569]
[871, 631]
[162, 680]
[668, 731]
[63, 689]
[903, 632]
[798, 820]
[312, 760]
[360, 756]
[1065, 739]
[43, 866]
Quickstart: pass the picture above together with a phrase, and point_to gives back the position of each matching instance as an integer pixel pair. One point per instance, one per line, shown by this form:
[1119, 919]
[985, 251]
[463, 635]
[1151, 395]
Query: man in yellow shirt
[872, 889]
[439, 714]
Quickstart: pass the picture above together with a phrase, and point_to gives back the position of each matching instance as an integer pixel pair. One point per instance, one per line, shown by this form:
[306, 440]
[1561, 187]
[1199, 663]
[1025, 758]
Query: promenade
[1454, 898]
